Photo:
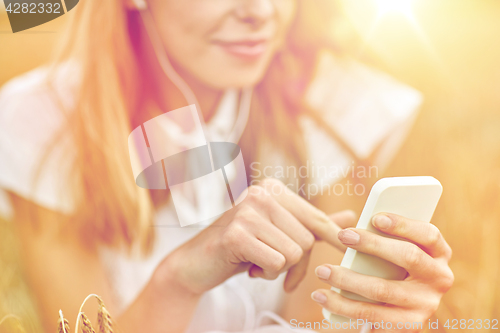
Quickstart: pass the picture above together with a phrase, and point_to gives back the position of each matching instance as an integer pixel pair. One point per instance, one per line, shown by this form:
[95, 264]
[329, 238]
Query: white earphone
[183, 87]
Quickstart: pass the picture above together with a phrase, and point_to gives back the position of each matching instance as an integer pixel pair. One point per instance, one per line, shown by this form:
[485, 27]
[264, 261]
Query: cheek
[286, 10]
[184, 26]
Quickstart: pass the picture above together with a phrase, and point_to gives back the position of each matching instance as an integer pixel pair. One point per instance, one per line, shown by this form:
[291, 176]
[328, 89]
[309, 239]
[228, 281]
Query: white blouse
[367, 109]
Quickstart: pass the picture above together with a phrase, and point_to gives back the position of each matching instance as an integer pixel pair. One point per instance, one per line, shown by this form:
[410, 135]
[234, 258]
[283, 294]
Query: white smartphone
[412, 197]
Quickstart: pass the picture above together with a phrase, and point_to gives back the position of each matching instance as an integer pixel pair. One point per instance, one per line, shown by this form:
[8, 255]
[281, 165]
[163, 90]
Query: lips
[249, 49]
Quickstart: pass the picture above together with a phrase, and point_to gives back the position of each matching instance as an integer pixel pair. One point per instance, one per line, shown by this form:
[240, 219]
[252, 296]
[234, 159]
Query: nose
[255, 12]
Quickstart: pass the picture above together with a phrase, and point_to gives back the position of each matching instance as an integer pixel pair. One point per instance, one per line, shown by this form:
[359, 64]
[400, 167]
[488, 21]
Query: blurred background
[447, 49]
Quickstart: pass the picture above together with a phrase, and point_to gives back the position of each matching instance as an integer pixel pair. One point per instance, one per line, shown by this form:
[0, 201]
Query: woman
[85, 227]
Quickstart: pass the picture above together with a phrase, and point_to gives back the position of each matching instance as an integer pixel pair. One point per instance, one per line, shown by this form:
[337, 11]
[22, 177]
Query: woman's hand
[271, 231]
[415, 298]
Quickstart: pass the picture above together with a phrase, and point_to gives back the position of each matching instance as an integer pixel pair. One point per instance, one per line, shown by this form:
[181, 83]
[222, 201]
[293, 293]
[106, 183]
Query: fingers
[287, 223]
[322, 227]
[401, 253]
[426, 235]
[344, 219]
[285, 235]
[374, 288]
[269, 261]
[297, 273]
[336, 303]
[270, 235]
[296, 226]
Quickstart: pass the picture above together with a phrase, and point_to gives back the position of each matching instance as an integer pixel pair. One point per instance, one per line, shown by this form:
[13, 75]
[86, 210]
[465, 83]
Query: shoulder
[36, 99]
[362, 104]
[341, 83]
[368, 110]
[32, 112]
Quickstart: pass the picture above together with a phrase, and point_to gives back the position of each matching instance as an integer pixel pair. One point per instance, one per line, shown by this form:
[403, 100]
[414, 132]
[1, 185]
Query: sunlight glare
[404, 7]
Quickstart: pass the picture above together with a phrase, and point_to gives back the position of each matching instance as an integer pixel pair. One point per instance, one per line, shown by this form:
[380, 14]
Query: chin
[235, 76]
[237, 80]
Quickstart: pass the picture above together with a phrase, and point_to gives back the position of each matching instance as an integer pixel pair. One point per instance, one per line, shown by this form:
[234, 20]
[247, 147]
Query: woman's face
[223, 43]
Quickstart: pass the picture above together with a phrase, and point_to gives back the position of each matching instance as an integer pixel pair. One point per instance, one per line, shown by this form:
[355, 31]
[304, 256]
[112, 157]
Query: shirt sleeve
[368, 110]
[32, 164]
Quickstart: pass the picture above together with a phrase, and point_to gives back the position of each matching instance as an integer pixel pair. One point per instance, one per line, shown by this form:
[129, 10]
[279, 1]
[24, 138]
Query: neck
[208, 98]
[166, 94]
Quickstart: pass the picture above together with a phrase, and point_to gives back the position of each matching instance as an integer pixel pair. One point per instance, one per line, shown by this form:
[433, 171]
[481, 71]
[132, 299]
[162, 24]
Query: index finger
[320, 225]
[424, 234]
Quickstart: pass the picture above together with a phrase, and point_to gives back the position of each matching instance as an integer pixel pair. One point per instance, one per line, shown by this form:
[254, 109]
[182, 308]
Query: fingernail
[323, 272]
[382, 221]
[348, 237]
[365, 329]
[318, 297]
